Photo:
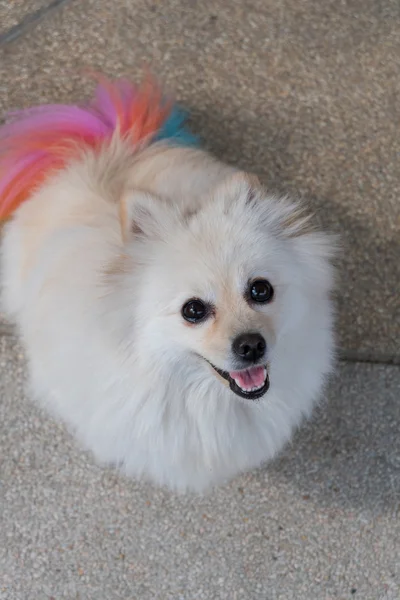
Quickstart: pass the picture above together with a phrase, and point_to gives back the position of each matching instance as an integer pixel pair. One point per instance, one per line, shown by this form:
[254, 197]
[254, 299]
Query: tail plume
[36, 141]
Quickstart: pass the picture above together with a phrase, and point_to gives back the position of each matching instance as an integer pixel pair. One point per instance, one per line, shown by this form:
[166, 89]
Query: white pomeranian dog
[175, 314]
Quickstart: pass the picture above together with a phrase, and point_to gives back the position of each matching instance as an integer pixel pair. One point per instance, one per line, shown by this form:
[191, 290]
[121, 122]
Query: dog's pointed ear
[239, 186]
[141, 214]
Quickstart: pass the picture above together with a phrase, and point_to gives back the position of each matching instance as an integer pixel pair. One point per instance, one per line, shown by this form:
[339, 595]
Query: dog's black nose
[249, 346]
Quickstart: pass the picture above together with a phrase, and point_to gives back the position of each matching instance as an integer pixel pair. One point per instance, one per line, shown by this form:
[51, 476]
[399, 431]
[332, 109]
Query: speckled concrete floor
[306, 94]
[321, 522]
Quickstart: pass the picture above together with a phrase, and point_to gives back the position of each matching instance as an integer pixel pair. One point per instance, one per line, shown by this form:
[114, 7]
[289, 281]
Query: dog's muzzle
[251, 383]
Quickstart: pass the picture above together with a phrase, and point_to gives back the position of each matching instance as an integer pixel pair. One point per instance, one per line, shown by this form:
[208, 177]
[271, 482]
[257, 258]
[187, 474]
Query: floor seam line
[343, 357]
[29, 21]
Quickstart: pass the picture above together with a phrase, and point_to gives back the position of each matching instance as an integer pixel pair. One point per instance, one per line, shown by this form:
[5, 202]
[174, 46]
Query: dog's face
[221, 286]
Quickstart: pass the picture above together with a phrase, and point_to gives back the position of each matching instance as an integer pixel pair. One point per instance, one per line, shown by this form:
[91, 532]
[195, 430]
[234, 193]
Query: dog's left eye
[194, 311]
[261, 291]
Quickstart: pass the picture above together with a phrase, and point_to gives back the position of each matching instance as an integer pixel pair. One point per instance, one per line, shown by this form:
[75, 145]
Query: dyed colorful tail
[40, 140]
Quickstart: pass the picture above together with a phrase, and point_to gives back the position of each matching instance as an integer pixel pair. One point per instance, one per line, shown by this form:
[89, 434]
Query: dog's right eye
[194, 311]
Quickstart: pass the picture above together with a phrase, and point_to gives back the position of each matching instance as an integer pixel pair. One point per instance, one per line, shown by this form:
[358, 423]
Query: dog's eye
[261, 291]
[194, 311]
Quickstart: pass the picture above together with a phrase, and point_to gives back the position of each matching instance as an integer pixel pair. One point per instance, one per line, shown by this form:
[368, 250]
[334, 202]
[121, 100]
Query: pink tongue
[250, 378]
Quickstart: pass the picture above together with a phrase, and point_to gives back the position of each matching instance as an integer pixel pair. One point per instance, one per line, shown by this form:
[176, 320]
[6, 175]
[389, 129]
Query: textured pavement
[306, 94]
[14, 12]
[320, 523]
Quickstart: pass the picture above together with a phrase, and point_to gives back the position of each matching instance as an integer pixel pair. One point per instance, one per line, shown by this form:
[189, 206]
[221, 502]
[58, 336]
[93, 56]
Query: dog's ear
[239, 187]
[142, 215]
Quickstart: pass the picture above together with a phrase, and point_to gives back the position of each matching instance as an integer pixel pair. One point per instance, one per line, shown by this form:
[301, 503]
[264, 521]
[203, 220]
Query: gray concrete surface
[307, 94]
[14, 11]
[320, 523]
[19, 16]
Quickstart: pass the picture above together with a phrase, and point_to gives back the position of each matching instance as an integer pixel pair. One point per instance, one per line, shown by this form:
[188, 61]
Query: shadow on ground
[349, 454]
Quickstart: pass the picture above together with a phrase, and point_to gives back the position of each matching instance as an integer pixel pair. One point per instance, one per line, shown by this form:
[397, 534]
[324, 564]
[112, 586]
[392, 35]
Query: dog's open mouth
[251, 383]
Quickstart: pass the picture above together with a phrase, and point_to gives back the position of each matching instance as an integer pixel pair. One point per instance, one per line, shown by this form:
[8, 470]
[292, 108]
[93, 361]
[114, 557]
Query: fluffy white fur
[96, 266]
